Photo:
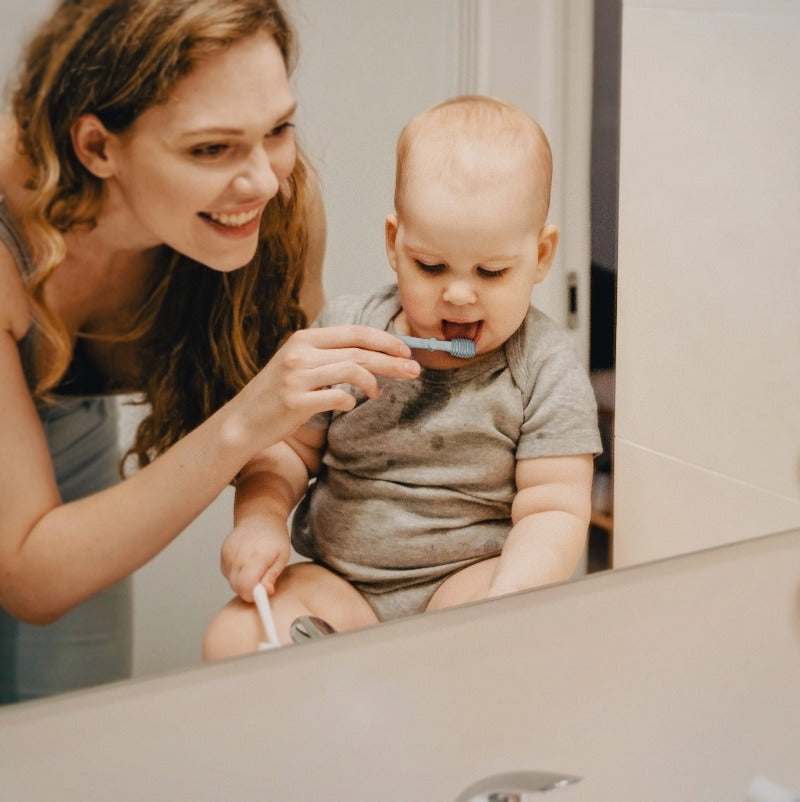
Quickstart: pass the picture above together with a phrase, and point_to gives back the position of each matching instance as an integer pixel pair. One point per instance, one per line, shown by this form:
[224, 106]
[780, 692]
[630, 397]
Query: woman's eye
[281, 129]
[209, 151]
[428, 268]
[484, 273]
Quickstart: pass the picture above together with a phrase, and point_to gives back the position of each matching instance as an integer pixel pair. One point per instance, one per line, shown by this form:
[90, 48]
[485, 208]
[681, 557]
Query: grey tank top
[91, 644]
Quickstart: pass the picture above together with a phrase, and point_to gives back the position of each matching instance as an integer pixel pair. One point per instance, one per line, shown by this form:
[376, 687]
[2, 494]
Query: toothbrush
[460, 346]
[262, 604]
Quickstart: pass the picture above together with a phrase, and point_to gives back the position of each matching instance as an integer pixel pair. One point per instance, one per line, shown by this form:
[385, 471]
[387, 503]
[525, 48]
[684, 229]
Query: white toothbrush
[262, 604]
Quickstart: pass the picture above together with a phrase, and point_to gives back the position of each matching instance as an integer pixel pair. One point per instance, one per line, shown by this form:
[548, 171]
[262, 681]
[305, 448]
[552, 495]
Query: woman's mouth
[239, 224]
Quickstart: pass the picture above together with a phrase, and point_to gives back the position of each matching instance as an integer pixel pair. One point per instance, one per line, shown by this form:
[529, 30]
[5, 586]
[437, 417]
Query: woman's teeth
[234, 220]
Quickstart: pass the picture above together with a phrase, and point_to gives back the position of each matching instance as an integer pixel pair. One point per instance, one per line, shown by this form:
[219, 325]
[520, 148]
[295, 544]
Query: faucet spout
[514, 786]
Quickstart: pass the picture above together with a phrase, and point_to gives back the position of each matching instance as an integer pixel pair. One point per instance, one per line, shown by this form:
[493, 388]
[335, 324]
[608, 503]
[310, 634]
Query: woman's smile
[236, 224]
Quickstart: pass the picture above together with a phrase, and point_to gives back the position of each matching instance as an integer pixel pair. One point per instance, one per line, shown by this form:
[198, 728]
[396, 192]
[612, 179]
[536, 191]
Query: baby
[473, 480]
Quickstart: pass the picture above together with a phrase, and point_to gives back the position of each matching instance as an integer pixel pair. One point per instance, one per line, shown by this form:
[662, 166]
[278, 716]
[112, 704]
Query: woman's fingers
[361, 337]
[377, 351]
[309, 374]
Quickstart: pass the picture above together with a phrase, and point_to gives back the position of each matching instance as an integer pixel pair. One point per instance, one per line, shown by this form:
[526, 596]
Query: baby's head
[469, 238]
[471, 141]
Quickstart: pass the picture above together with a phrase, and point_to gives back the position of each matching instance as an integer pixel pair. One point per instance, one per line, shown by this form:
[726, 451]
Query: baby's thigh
[234, 630]
[306, 588]
[467, 585]
[302, 589]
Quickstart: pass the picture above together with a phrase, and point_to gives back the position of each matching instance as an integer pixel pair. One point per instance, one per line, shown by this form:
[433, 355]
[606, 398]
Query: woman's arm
[55, 555]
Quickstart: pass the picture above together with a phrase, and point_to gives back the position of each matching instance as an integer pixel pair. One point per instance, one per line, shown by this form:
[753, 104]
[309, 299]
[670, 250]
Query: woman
[160, 236]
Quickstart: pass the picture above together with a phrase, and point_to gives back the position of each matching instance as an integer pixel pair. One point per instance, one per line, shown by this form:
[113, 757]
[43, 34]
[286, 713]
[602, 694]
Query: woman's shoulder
[8, 152]
[13, 166]
[15, 308]
[14, 302]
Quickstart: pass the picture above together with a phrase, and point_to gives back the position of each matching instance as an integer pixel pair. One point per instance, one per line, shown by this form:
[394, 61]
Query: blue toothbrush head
[462, 348]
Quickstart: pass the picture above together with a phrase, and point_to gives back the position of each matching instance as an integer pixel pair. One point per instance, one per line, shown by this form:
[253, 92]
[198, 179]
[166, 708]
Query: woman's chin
[228, 261]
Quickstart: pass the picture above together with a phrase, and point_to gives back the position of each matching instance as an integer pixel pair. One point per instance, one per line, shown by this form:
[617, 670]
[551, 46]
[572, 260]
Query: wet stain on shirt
[430, 399]
[490, 377]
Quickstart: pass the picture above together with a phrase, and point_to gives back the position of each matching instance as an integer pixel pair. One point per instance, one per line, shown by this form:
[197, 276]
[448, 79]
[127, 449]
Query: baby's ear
[548, 242]
[90, 140]
[391, 238]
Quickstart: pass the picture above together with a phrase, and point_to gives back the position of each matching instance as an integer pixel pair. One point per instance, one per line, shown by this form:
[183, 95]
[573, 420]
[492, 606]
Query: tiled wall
[708, 336]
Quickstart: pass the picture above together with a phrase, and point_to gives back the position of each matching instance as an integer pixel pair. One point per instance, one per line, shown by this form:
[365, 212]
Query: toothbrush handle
[429, 344]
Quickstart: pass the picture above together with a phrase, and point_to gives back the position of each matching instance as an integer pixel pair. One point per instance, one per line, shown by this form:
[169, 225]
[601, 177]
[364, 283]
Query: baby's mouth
[452, 330]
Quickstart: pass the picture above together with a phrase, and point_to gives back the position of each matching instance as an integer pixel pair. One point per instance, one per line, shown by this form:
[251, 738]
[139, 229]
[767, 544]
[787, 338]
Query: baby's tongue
[453, 331]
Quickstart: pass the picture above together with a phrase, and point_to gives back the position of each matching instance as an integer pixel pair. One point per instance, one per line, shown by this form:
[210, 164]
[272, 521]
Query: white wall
[708, 363]
[20, 18]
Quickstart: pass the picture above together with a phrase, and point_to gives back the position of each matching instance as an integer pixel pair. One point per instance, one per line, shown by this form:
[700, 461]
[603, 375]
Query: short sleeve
[559, 405]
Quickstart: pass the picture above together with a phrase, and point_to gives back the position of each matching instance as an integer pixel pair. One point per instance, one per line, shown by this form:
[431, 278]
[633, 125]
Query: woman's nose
[258, 178]
[459, 293]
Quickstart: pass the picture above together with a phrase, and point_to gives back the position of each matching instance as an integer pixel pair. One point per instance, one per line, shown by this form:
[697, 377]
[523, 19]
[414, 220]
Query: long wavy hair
[202, 334]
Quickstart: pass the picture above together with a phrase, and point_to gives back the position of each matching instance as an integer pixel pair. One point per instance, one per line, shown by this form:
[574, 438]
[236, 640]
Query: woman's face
[196, 172]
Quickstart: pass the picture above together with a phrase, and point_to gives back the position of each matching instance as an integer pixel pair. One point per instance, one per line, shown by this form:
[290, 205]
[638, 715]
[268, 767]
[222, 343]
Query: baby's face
[467, 257]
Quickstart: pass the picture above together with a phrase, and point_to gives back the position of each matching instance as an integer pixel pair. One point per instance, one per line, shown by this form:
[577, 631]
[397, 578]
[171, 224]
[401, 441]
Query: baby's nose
[459, 293]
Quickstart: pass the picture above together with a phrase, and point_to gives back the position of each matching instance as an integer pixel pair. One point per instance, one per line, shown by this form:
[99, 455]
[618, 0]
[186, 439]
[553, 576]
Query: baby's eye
[484, 272]
[429, 268]
[281, 129]
[210, 150]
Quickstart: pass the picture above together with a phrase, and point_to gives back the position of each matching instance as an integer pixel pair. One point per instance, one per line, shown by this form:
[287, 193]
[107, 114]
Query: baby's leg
[302, 589]
[468, 584]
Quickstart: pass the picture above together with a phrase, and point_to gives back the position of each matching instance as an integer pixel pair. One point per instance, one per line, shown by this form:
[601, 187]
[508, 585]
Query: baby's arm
[267, 490]
[550, 517]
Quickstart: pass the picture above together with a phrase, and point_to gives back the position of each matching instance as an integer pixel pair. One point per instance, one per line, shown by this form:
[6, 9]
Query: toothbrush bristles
[462, 348]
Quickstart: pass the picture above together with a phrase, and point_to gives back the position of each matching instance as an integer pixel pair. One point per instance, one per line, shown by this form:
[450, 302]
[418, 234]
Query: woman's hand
[302, 378]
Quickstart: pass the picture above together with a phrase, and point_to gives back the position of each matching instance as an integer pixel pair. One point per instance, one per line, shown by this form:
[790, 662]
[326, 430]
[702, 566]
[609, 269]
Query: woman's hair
[202, 333]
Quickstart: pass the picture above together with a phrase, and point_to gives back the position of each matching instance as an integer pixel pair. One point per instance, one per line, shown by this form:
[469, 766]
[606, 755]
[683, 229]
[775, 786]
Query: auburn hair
[202, 334]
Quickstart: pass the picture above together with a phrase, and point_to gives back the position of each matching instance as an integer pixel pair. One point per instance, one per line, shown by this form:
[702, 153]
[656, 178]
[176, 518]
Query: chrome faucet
[514, 786]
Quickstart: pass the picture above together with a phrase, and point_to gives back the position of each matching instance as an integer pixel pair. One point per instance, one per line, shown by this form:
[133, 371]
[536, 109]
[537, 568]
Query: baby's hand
[254, 552]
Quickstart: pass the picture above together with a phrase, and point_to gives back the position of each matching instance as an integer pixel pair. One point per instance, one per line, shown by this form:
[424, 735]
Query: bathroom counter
[675, 680]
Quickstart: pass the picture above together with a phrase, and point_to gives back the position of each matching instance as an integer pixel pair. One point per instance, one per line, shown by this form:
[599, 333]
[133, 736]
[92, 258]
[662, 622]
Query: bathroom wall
[707, 443]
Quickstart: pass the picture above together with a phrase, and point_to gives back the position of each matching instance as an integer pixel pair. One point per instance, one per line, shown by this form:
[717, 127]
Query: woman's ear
[391, 239]
[90, 141]
[548, 242]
